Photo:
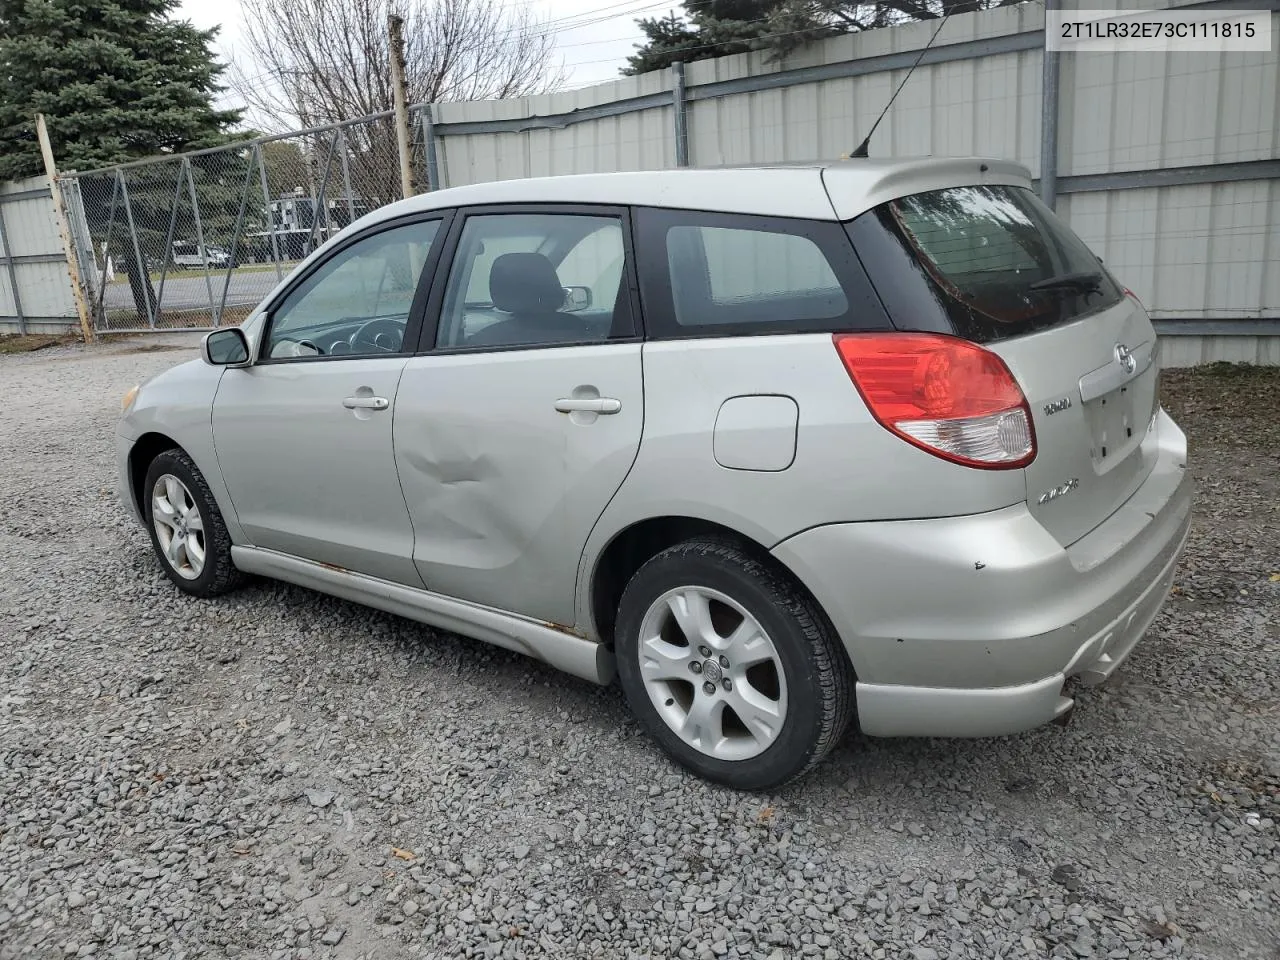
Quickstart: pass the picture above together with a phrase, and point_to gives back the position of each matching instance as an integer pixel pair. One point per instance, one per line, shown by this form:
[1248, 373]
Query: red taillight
[947, 396]
[1130, 293]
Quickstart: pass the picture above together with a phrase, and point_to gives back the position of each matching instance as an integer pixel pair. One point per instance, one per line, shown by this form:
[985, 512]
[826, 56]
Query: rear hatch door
[990, 263]
[1091, 385]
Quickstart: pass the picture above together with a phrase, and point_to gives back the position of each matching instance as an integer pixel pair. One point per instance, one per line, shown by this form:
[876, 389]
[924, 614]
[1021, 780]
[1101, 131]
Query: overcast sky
[592, 52]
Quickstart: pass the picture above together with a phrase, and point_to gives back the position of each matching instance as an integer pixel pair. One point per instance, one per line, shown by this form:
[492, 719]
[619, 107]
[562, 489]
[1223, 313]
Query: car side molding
[551, 643]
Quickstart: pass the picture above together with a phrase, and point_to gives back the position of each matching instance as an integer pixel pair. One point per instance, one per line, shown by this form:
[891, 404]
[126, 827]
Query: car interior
[515, 279]
[544, 279]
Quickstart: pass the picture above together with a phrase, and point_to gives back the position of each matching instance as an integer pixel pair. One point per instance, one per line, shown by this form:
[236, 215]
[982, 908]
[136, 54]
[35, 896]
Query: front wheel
[187, 530]
[730, 665]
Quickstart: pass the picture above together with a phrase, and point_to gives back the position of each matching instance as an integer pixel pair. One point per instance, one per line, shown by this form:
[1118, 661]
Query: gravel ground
[280, 774]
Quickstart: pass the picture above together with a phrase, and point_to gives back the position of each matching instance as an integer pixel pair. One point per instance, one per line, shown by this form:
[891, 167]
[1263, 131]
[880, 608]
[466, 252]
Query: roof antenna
[861, 153]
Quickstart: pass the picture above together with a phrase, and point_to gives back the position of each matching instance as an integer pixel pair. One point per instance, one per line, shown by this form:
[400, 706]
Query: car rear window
[984, 262]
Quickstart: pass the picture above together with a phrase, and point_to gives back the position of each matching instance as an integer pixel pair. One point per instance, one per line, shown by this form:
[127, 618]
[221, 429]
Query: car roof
[818, 191]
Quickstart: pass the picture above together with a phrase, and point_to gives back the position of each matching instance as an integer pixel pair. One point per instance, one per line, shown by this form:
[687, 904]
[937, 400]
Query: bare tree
[313, 62]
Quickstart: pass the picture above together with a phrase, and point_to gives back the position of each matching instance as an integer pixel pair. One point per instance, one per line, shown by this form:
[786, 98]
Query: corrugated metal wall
[1205, 251]
[32, 260]
[1191, 250]
[1202, 251]
[641, 140]
[987, 105]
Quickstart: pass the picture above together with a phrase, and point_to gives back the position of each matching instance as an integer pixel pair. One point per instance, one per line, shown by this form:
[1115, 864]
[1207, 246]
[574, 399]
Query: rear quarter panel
[846, 468]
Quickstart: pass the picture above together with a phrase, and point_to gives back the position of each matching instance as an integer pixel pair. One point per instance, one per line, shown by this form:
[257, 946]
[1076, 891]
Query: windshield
[993, 260]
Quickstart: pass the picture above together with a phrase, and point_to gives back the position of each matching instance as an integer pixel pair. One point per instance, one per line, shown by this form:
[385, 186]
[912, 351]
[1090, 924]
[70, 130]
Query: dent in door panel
[502, 488]
[466, 509]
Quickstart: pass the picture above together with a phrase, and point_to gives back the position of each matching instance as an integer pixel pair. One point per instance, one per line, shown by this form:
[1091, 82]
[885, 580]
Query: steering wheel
[292, 347]
[377, 332]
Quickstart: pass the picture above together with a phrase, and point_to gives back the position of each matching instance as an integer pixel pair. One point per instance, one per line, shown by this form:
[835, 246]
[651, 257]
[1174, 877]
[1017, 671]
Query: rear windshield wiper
[1086, 282]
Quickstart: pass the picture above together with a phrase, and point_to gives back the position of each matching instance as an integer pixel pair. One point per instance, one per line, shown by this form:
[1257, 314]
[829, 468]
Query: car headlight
[129, 397]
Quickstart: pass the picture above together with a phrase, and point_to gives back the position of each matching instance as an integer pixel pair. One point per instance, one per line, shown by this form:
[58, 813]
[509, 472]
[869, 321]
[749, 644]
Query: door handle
[366, 403]
[601, 405]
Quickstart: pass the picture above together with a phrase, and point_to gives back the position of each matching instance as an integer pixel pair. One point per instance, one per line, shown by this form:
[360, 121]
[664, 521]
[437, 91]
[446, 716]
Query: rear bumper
[971, 626]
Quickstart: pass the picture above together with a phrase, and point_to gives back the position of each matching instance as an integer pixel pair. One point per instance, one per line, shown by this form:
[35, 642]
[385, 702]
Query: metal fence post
[271, 218]
[168, 237]
[346, 175]
[204, 254]
[321, 203]
[100, 309]
[235, 238]
[681, 116]
[1049, 98]
[13, 273]
[429, 148]
[153, 307]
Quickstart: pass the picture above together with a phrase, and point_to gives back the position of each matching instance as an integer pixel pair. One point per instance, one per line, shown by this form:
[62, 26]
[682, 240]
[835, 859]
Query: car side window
[536, 279]
[711, 274]
[595, 263]
[356, 303]
[748, 265]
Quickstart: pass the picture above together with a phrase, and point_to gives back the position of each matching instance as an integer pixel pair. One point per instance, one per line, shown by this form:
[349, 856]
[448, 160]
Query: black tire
[818, 676]
[219, 574]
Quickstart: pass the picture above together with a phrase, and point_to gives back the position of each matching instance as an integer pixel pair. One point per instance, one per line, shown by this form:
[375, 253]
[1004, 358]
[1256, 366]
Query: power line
[721, 43]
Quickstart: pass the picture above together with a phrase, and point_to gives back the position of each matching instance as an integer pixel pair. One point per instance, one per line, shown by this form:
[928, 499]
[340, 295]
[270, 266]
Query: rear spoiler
[856, 186]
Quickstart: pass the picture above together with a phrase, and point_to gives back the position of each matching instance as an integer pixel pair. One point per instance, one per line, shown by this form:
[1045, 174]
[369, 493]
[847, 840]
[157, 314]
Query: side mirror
[576, 298]
[226, 348]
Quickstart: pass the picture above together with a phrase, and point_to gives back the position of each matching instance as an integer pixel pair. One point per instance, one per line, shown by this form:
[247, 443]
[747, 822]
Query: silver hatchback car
[776, 445]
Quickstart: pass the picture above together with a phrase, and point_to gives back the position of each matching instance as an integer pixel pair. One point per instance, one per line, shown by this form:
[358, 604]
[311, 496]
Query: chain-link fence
[197, 240]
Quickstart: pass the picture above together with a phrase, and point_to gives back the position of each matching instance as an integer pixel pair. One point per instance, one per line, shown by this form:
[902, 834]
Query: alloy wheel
[712, 673]
[178, 525]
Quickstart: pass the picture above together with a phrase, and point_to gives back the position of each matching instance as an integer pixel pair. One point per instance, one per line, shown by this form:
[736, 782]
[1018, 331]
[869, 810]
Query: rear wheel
[187, 530]
[730, 666]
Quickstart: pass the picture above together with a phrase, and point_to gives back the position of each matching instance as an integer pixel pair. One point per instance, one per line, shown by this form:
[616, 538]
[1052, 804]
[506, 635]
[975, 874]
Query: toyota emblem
[1125, 358]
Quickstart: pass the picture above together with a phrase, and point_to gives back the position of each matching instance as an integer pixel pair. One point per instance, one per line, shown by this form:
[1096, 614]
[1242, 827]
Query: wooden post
[64, 228]
[395, 36]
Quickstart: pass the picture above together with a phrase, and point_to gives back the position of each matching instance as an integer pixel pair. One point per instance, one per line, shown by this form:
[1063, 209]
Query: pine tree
[717, 28]
[115, 79]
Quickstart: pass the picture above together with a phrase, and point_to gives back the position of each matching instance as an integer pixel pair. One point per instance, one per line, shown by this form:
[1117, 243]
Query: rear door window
[533, 279]
[985, 262]
[711, 274]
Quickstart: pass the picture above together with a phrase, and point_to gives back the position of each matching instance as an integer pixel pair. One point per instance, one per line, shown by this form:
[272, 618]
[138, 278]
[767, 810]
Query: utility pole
[395, 34]
[64, 228]
[1049, 97]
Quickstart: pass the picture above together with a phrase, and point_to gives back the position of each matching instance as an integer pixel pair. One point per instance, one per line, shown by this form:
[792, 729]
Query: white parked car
[188, 256]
